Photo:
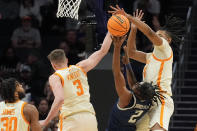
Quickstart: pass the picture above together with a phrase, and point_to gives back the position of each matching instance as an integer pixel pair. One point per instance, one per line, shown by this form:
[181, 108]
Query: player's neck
[16, 101]
[62, 66]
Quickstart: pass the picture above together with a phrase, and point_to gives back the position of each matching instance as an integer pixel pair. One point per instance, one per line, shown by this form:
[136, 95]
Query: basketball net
[68, 8]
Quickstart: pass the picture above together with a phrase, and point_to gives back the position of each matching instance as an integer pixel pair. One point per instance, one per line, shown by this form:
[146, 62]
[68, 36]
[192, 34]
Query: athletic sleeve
[148, 56]
[163, 51]
[164, 47]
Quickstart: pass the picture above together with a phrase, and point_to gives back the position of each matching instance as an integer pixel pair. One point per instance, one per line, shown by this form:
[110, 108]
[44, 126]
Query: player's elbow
[103, 51]
[60, 99]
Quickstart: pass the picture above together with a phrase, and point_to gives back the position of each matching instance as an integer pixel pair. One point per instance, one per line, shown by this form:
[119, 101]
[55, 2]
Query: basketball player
[131, 106]
[158, 64]
[71, 90]
[16, 115]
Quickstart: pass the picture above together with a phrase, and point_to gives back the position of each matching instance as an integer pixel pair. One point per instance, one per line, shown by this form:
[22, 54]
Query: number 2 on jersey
[8, 122]
[134, 117]
[79, 87]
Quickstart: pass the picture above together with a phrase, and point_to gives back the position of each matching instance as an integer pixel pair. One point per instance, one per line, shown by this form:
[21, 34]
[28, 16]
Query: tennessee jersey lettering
[76, 91]
[12, 117]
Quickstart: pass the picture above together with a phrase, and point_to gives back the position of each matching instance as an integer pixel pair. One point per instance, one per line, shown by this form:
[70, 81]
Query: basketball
[118, 25]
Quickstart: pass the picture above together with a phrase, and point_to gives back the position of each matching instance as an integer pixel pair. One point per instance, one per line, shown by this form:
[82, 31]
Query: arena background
[30, 66]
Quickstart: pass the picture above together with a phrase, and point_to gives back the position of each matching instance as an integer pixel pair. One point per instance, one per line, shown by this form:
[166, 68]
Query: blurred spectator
[43, 109]
[30, 8]
[26, 36]
[76, 47]
[55, 126]
[48, 93]
[50, 23]
[8, 62]
[52, 126]
[9, 9]
[72, 55]
[151, 9]
[25, 78]
[40, 74]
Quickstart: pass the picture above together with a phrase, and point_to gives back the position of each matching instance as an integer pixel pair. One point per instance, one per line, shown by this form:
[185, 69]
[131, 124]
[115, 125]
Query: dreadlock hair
[175, 28]
[7, 89]
[148, 91]
[1, 79]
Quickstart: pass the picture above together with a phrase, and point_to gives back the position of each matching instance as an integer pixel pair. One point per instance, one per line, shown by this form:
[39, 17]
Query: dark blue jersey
[124, 119]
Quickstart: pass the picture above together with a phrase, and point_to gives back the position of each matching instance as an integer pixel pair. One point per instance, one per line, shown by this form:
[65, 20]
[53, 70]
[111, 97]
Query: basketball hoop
[68, 8]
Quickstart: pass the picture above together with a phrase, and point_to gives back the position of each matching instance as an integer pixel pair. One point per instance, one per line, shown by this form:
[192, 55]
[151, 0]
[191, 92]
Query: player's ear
[16, 95]
[169, 40]
[54, 66]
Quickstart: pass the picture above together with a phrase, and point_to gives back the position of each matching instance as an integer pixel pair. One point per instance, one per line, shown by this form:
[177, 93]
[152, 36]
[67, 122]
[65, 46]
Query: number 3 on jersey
[79, 87]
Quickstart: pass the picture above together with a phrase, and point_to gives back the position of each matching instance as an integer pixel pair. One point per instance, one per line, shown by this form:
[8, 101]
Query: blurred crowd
[29, 30]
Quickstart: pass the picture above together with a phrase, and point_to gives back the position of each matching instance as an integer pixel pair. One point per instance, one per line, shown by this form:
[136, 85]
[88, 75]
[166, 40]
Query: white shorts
[161, 114]
[83, 121]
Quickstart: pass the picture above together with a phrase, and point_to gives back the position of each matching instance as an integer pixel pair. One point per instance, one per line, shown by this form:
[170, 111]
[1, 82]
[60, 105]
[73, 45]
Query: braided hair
[175, 28]
[148, 91]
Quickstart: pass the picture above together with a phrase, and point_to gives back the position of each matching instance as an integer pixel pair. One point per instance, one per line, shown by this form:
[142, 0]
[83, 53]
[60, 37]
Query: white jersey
[76, 91]
[158, 67]
[12, 117]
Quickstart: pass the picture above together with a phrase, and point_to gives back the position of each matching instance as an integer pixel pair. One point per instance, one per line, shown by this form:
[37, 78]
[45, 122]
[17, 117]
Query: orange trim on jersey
[81, 69]
[161, 60]
[22, 108]
[61, 122]
[62, 79]
[162, 100]
[162, 112]
[63, 68]
[160, 73]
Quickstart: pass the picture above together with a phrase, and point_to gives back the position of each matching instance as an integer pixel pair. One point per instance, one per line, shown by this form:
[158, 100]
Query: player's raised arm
[32, 115]
[58, 92]
[96, 57]
[131, 42]
[130, 74]
[123, 93]
[143, 27]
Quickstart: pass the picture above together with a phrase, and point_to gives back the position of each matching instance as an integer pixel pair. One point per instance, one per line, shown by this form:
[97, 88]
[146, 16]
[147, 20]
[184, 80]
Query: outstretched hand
[138, 15]
[118, 41]
[118, 10]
